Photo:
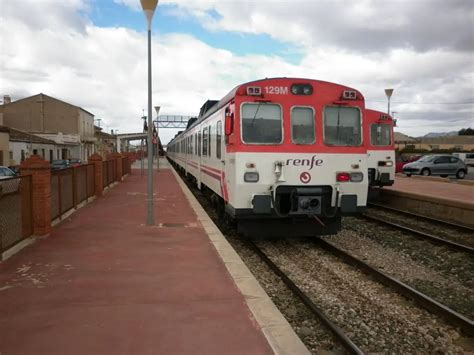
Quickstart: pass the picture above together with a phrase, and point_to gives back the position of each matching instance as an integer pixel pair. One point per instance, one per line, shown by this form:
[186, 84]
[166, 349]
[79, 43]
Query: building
[105, 143]
[454, 143]
[68, 126]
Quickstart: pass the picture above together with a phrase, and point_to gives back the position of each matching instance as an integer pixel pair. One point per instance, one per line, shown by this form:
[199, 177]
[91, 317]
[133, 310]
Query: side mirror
[229, 124]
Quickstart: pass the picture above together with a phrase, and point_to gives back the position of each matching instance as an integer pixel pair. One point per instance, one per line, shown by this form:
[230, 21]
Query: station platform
[433, 197]
[105, 283]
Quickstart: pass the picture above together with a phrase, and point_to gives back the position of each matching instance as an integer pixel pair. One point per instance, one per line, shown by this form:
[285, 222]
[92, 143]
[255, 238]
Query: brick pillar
[118, 159]
[40, 170]
[96, 159]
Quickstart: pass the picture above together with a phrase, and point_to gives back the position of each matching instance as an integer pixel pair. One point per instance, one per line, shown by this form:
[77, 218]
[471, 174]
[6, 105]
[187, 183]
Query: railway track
[338, 332]
[459, 227]
[451, 316]
[421, 234]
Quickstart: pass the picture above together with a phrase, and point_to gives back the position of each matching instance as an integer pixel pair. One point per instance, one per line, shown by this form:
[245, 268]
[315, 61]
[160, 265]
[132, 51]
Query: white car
[8, 186]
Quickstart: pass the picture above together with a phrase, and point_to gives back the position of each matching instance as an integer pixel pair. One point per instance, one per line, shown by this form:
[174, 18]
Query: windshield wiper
[255, 116]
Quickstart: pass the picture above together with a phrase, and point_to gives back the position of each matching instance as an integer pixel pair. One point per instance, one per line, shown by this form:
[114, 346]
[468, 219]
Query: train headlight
[251, 176]
[357, 177]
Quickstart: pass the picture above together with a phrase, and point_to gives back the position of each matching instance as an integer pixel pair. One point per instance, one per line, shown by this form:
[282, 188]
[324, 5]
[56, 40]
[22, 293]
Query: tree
[466, 132]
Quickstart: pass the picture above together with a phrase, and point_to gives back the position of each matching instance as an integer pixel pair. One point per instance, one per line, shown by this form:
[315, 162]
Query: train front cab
[380, 148]
[296, 164]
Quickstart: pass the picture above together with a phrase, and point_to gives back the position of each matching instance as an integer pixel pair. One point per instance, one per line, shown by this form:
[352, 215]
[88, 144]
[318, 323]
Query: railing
[109, 172]
[16, 210]
[70, 187]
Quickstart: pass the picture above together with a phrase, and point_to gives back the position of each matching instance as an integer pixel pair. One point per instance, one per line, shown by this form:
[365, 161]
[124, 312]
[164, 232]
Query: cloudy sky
[93, 53]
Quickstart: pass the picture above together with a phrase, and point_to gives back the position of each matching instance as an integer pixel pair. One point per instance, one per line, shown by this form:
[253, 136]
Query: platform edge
[276, 329]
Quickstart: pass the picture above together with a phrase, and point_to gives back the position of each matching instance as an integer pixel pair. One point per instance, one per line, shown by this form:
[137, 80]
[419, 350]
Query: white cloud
[104, 70]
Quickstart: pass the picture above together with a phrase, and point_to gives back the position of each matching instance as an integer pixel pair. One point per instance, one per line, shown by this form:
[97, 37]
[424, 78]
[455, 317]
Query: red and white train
[283, 150]
[380, 147]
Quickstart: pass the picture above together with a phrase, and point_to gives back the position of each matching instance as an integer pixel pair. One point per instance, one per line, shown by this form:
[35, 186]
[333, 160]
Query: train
[380, 148]
[280, 156]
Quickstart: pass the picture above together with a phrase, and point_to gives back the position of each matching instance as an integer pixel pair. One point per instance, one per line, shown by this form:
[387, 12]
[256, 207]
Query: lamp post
[389, 93]
[149, 7]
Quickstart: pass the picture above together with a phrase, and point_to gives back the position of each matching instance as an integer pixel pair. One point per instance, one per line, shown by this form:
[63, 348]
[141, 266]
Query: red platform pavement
[435, 189]
[104, 283]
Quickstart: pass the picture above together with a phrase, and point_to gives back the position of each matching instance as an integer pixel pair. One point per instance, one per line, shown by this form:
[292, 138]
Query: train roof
[211, 106]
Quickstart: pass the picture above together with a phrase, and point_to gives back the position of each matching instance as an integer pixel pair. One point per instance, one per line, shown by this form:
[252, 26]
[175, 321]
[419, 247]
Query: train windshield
[261, 123]
[380, 134]
[342, 126]
[302, 125]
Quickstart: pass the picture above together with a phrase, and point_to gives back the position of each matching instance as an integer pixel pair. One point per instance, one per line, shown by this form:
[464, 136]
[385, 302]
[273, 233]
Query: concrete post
[96, 159]
[40, 170]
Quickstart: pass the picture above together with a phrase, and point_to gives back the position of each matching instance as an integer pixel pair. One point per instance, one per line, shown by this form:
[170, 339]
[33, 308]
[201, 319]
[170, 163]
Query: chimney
[6, 99]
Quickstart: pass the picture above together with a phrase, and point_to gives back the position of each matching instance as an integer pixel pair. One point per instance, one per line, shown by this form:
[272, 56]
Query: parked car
[442, 165]
[8, 186]
[402, 161]
[75, 162]
[6, 173]
[60, 164]
[467, 158]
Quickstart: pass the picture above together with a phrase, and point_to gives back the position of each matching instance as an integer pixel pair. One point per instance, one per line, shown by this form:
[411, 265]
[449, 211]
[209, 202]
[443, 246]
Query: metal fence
[70, 187]
[16, 210]
[109, 172]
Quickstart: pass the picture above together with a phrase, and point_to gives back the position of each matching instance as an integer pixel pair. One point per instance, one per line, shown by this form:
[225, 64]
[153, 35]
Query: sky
[93, 54]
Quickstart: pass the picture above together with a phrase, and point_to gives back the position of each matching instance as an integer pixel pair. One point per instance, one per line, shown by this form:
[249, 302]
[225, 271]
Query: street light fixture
[389, 93]
[149, 7]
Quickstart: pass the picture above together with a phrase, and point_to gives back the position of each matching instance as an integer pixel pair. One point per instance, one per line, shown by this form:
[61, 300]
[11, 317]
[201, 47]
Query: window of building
[22, 155]
[342, 126]
[261, 123]
[35, 151]
[11, 155]
[50, 155]
[302, 125]
[43, 153]
[218, 139]
[380, 134]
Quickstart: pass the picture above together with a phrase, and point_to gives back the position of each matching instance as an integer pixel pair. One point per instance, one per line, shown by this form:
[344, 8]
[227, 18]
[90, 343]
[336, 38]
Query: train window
[302, 125]
[380, 134]
[261, 123]
[195, 144]
[204, 141]
[199, 143]
[218, 139]
[191, 144]
[209, 145]
[342, 126]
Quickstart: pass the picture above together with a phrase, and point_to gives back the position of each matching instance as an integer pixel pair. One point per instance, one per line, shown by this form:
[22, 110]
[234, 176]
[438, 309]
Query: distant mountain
[442, 134]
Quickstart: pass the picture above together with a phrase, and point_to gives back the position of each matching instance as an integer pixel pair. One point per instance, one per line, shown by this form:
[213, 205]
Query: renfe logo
[305, 177]
[305, 162]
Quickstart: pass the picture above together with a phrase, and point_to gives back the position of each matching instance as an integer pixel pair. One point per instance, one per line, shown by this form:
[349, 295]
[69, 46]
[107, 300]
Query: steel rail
[338, 333]
[425, 235]
[455, 318]
[429, 219]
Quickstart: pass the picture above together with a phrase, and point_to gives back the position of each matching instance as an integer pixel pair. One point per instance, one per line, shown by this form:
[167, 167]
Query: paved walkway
[104, 283]
[443, 190]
